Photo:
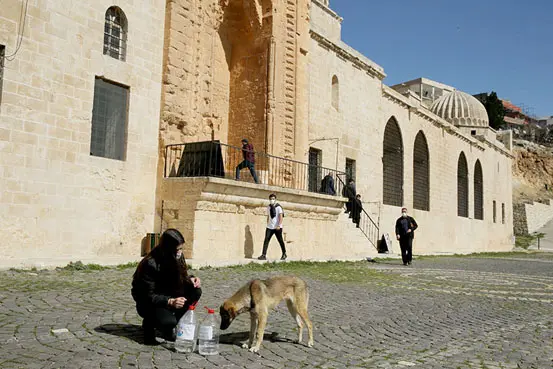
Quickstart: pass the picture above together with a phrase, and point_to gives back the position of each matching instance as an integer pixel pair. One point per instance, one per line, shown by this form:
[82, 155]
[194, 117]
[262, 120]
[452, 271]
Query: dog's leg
[297, 318]
[302, 311]
[253, 327]
[261, 323]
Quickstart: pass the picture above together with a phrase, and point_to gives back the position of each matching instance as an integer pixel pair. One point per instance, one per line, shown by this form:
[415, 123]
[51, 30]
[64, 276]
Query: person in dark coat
[350, 192]
[356, 209]
[327, 185]
[162, 289]
[405, 232]
[249, 160]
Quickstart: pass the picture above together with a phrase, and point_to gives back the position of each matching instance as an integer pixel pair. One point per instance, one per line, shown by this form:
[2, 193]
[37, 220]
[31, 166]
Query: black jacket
[152, 286]
[401, 229]
[327, 185]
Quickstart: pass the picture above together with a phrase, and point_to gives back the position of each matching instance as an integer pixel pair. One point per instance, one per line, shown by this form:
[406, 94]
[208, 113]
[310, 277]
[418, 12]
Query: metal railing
[367, 225]
[215, 159]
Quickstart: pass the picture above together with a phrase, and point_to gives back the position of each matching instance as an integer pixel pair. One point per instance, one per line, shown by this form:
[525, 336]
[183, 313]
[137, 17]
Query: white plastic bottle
[185, 340]
[209, 334]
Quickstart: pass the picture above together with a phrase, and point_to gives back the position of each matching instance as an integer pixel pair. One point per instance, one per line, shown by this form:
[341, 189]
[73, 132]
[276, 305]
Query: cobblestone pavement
[439, 313]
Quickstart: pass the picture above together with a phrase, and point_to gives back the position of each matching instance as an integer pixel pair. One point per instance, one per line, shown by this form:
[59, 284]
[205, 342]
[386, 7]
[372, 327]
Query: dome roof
[461, 109]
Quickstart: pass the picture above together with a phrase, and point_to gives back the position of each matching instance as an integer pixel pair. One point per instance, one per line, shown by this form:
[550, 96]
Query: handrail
[213, 158]
[367, 229]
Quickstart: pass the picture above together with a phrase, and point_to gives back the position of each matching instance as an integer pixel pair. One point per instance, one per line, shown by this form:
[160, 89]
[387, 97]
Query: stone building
[79, 123]
[273, 71]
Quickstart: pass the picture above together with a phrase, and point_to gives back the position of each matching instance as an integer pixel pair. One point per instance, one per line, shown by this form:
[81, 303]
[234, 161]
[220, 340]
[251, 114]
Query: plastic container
[185, 340]
[208, 334]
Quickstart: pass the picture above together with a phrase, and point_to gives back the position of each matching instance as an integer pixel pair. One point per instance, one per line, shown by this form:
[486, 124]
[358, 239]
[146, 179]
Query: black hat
[244, 140]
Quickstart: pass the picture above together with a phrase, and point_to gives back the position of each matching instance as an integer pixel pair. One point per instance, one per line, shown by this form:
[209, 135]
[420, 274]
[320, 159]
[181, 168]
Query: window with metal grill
[462, 187]
[478, 191]
[350, 169]
[315, 173]
[109, 120]
[115, 33]
[421, 173]
[2, 61]
[494, 212]
[502, 213]
[392, 165]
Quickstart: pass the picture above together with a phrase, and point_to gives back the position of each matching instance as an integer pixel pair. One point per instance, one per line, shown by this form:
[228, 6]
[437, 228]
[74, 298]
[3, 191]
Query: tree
[495, 109]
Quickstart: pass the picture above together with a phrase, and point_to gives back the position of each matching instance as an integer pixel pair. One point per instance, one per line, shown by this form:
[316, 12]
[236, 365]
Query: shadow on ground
[239, 337]
[131, 331]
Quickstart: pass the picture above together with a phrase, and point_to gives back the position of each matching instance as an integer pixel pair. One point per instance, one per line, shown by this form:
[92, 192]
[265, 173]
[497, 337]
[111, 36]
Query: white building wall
[58, 202]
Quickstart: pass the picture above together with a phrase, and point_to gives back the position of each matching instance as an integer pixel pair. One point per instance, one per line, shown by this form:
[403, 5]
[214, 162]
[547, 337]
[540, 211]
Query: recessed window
[494, 212]
[502, 213]
[109, 120]
[350, 169]
[335, 93]
[115, 34]
[462, 187]
[473, 132]
[2, 61]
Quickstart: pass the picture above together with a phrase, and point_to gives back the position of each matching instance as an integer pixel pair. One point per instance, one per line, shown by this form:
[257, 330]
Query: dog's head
[228, 313]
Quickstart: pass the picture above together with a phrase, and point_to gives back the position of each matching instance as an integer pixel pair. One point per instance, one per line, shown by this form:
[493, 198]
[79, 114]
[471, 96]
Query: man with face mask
[275, 214]
[405, 232]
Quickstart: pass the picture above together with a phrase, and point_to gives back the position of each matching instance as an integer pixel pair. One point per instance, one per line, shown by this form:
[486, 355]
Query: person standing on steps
[350, 192]
[405, 232]
[249, 160]
[356, 210]
[275, 215]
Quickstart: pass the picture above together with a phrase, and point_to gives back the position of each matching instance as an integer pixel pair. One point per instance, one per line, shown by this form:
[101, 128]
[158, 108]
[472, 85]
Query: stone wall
[365, 107]
[224, 221]
[58, 202]
[531, 217]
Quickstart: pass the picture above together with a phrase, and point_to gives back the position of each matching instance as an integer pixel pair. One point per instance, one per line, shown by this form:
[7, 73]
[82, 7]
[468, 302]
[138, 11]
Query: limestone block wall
[225, 220]
[365, 107]
[530, 218]
[58, 203]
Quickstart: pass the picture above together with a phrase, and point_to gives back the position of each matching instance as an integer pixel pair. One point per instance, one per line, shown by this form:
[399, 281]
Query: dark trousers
[165, 318]
[406, 245]
[356, 216]
[250, 166]
[268, 234]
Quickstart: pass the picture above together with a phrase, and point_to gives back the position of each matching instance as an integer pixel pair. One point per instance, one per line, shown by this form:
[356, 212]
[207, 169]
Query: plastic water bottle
[209, 334]
[185, 341]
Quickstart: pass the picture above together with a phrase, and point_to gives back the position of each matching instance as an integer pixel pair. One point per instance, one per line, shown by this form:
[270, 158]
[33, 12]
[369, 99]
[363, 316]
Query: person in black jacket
[162, 289]
[327, 185]
[357, 209]
[405, 232]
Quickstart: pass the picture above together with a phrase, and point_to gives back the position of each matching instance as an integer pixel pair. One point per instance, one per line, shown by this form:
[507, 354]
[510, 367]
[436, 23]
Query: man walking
[350, 192]
[405, 232]
[249, 160]
[275, 214]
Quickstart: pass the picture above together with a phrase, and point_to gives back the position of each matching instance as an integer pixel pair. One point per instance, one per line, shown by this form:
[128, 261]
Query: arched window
[115, 33]
[478, 191]
[335, 92]
[392, 165]
[421, 174]
[462, 187]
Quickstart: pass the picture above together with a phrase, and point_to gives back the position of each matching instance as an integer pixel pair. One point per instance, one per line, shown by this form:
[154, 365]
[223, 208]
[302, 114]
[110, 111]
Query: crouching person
[162, 288]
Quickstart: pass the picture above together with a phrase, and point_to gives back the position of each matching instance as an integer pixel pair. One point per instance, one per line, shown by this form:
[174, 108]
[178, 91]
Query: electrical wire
[20, 30]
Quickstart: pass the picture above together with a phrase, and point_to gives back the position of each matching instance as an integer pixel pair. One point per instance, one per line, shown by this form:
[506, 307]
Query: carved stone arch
[478, 191]
[392, 164]
[462, 186]
[421, 173]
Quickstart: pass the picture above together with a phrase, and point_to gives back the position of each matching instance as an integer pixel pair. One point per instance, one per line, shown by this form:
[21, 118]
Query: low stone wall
[529, 218]
[224, 221]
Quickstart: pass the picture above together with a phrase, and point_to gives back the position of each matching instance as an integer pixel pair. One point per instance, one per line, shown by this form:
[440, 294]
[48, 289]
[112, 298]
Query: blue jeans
[250, 166]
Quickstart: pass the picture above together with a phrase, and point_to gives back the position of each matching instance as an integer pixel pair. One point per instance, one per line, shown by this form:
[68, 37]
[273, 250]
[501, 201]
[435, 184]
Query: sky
[473, 45]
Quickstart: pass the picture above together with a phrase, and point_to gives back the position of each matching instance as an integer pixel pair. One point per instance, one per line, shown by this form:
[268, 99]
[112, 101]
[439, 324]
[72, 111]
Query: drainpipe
[270, 97]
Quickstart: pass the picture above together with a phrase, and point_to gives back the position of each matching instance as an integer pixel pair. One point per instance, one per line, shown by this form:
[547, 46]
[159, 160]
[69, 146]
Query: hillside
[532, 171]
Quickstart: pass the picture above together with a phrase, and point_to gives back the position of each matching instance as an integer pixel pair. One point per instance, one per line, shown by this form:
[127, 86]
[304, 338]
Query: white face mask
[404, 214]
[179, 254]
[272, 201]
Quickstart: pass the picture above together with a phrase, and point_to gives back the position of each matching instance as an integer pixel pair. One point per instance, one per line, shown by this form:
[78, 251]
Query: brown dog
[260, 296]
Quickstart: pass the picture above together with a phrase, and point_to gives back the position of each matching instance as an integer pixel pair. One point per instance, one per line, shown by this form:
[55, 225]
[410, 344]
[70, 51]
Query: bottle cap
[210, 311]
[192, 307]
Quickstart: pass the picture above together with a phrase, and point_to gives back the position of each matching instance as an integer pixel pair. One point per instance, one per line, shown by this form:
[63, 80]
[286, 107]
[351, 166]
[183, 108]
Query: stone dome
[461, 109]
